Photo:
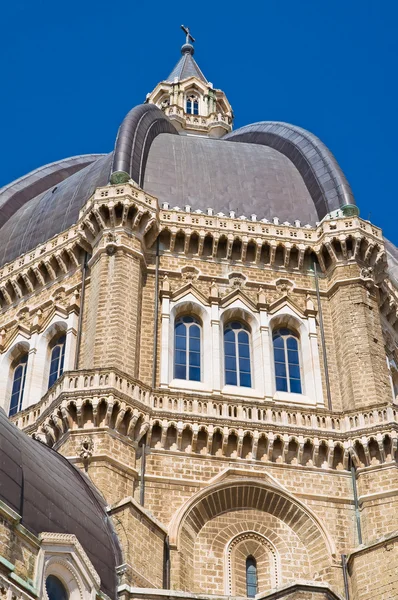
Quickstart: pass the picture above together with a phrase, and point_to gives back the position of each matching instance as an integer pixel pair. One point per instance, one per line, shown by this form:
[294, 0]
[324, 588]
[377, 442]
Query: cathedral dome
[268, 169]
[52, 496]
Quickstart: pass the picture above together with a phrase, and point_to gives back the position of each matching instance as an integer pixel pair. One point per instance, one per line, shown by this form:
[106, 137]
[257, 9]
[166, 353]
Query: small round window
[56, 589]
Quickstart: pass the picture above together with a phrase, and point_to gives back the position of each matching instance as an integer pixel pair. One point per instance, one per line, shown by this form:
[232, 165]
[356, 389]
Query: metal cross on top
[189, 37]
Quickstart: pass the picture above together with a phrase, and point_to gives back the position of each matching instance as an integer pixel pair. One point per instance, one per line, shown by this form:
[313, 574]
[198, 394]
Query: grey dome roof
[246, 178]
[51, 211]
[51, 495]
[269, 169]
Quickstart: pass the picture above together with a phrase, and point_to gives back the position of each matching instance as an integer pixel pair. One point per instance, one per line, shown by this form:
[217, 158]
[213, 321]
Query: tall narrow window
[18, 385]
[187, 349]
[189, 106]
[251, 577]
[195, 107]
[287, 361]
[56, 589]
[237, 354]
[57, 361]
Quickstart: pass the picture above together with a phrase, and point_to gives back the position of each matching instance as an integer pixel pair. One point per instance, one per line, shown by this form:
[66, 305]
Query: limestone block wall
[108, 459]
[360, 353]
[17, 550]
[112, 311]
[143, 542]
[377, 490]
[374, 571]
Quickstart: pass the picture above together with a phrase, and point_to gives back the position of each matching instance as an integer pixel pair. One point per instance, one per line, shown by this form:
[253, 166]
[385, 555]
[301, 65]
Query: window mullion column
[286, 364]
[187, 352]
[237, 358]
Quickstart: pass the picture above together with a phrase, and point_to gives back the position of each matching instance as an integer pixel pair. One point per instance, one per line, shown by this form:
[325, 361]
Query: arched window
[187, 349]
[237, 354]
[192, 105]
[18, 385]
[251, 577]
[287, 361]
[56, 589]
[57, 361]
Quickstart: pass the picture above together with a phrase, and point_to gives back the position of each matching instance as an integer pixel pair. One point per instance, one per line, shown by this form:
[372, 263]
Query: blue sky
[71, 71]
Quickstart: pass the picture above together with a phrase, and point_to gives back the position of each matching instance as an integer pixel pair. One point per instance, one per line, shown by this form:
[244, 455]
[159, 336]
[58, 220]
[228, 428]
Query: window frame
[294, 335]
[251, 562]
[22, 362]
[65, 587]
[192, 105]
[61, 359]
[244, 327]
[196, 321]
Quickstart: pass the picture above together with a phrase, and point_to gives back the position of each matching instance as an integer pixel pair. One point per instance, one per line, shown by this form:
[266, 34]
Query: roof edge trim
[135, 136]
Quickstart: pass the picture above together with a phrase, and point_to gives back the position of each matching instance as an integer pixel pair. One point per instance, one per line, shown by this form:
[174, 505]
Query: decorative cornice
[117, 208]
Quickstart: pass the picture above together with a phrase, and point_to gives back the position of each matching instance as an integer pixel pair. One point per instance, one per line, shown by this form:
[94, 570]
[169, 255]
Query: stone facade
[199, 475]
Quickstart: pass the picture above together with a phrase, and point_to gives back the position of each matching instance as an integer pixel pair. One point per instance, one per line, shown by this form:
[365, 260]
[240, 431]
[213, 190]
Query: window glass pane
[194, 359]
[294, 371]
[195, 108]
[55, 589]
[293, 357]
[61, 366]
[291, 343]
[188, 319]
[231, 378]
[194, 344]
[229, 335]
[244, 365]
[180, 372]
[180, 328]
[284, 331]
[189, 106]
[235, 325]
[245, 380]
[280, 369]
[18, 386]
[181, 342]
[13, 406]
[295, 386]
[194, 373]
[278, 342]
[279, 355]
[244, 350]
[229, 348]
[55, 353]
[194, 331]
[181, 357]
[230, 363]
[243, 337]
[281, 384]
[17, 378]
[251, 577]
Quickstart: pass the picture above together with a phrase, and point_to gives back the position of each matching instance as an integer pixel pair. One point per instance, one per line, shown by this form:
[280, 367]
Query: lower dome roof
[52, 496]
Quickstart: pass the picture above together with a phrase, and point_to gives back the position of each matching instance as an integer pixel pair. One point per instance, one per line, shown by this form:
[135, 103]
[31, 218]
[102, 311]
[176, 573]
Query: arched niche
[240, 495]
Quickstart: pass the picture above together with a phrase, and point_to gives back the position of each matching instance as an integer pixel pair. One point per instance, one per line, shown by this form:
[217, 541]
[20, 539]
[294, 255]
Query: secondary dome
[51, 495]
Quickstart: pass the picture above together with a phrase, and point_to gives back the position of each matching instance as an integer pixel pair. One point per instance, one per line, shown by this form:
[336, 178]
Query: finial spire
[187, 48]
[189, 37]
